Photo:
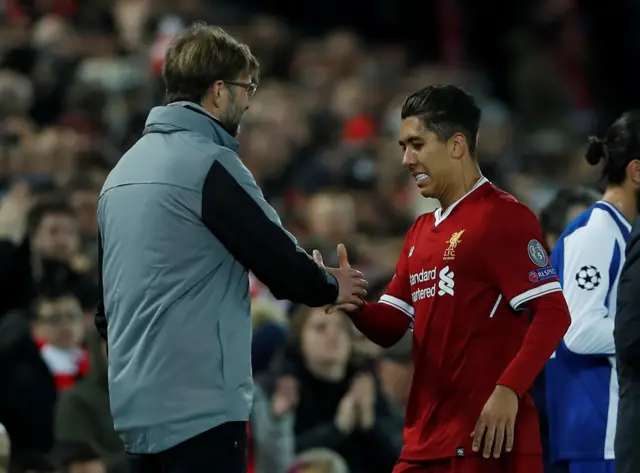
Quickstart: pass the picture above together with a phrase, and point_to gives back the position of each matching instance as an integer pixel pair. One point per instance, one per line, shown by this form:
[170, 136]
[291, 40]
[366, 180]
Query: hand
[364, 392]
[285, 396]
[345, 419]
[14, 209]
[496, 423]
[350, 283]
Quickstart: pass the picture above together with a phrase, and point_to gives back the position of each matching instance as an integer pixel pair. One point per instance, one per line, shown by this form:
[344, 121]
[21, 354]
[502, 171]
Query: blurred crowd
[77, 79]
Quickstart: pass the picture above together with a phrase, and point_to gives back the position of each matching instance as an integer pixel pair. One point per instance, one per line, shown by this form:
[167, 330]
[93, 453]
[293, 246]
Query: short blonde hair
[201, 56]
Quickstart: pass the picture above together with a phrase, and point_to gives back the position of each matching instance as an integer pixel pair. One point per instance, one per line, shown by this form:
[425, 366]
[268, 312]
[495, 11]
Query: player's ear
[457, 146]
[633, 170]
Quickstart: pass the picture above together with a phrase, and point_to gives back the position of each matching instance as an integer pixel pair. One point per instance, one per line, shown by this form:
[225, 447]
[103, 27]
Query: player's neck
[327, 371]
[463, 185]
[623, 200]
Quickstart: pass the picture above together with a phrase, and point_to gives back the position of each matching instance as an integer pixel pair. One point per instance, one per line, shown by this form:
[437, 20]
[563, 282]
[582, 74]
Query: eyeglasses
[251, 87]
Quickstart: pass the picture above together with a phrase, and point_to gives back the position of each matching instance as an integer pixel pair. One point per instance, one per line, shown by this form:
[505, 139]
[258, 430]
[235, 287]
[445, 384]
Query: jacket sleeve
[236, 212]
[100, 318]
[626, 332]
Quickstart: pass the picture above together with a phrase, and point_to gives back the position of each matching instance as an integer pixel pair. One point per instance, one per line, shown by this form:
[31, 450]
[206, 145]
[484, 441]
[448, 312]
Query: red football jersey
[463, 277]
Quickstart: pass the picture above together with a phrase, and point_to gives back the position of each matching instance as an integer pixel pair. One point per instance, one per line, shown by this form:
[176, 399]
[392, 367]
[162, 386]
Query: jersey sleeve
[588, 262]
[518, 262]
[398, 292]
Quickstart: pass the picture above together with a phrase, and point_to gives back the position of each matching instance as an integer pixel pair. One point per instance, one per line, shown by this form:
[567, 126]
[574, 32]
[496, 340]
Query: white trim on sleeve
[526, 296]
[399, 304]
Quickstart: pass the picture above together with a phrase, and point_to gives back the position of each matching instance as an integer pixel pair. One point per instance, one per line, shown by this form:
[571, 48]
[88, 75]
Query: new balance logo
[446, 282]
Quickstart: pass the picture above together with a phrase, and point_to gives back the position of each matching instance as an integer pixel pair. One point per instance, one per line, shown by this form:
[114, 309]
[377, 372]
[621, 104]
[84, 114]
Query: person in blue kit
[581, 378]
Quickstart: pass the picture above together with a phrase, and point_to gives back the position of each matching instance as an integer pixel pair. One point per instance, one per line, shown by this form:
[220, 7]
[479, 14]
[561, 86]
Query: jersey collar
[622, 219]
[440, 215]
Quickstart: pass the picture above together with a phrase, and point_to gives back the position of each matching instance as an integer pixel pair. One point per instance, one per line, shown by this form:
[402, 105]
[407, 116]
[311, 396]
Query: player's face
[426, 158]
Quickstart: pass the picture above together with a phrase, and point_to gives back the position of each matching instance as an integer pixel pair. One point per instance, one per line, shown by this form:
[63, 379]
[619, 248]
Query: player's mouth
[420, 178]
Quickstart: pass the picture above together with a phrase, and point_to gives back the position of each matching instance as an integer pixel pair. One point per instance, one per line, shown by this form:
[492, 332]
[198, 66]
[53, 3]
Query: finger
[351, 304]
[489, 436]
[343, 308]
[361, 283]
[477, 435]
[342, 256]
[317, 257]
[510, 434]
[498, 442]
[352, 299]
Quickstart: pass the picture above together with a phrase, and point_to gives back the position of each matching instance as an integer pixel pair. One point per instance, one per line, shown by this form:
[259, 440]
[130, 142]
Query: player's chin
[426, 190]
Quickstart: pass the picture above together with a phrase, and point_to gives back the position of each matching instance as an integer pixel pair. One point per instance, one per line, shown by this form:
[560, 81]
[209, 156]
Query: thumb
[342, 256]
[317, 257]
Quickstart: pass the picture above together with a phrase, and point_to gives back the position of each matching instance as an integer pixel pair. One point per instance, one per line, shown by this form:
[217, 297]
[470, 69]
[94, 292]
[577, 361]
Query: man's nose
[408, 160]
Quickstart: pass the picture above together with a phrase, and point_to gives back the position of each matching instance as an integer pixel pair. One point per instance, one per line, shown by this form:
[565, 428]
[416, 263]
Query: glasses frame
[250, 87]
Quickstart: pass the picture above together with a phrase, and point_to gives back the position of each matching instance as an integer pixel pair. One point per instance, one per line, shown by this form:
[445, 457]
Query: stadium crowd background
[77, 79]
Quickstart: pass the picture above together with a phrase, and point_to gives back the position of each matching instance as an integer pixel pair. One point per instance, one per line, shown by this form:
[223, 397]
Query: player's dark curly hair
[445, 111]
[620, 146]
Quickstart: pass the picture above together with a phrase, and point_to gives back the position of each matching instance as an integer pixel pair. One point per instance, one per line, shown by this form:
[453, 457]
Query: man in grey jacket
[181, 222]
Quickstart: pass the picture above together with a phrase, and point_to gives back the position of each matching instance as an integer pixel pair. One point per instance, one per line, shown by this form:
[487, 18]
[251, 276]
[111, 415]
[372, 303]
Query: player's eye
[418, 146]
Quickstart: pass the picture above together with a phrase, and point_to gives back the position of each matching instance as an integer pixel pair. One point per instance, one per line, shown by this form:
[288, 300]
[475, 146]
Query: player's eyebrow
[411, 140]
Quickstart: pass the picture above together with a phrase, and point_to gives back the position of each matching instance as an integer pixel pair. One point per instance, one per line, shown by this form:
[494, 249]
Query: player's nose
[408, 160]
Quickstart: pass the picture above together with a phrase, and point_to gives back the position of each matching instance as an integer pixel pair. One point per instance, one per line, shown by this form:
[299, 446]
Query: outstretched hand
[351, 284]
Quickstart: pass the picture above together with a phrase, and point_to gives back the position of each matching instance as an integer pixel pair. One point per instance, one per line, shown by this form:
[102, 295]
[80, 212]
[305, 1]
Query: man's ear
[457, 146]
[633, 169]
[215, 92]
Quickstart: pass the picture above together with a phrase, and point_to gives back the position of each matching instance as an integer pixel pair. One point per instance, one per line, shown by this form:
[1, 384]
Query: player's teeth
[421, 177]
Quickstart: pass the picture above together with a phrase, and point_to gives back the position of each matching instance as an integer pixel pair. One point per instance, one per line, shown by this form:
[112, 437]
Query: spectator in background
[28, 395]
[55, 241]
[269, 324]
[59, 330]
[77, 457]
[565, 206]
[319, 460]
[5, 449]
[31, 462]
[271, 437]
[395, 370]
[83, 413]
[331, 220]
[340, 405]
[82, 199]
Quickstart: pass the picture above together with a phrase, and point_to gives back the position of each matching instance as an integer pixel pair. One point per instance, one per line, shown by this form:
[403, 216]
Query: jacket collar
[188, 116]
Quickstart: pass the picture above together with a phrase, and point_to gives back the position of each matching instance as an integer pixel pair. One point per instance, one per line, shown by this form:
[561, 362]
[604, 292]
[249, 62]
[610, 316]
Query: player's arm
[235, 211]
[386, 321]
[589, 266]
[518, 254]
[627, 321]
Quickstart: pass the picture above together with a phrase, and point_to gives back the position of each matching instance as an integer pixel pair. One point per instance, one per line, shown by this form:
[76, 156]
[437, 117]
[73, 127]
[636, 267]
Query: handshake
[351, 284]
